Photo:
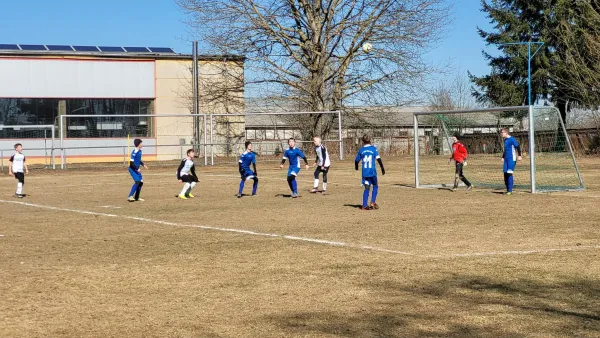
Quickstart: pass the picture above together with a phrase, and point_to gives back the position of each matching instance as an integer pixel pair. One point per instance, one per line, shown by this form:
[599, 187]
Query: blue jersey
[247, 158]
[136, 158]
[510, 149]
[293, 155]
[368, 155]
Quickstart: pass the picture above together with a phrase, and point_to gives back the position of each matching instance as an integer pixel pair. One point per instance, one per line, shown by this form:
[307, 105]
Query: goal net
[540, 131]
[109, 138]
[38, 142]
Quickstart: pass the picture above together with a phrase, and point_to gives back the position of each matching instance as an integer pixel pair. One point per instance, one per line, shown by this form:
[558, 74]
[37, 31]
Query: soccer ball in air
[367, 47]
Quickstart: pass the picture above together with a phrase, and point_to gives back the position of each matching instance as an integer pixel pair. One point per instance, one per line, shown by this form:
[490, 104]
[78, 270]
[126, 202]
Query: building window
[46, 111]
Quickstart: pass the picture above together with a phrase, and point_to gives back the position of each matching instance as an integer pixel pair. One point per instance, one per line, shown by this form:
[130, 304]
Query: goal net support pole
[548, 146]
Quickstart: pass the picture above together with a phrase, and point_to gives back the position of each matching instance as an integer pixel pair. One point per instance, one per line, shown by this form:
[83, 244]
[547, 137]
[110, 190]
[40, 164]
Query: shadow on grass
[356, 206]
[462, 306]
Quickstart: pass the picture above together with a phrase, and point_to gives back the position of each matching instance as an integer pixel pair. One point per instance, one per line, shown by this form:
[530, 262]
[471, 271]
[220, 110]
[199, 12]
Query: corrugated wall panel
[42, 78]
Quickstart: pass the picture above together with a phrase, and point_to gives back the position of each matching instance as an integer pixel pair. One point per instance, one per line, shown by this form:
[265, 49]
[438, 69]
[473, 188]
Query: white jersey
[18, 162]
[186, 167]
[322, 156]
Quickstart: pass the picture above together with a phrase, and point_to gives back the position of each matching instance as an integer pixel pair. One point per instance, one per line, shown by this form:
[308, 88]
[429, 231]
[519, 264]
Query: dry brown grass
[458, 266]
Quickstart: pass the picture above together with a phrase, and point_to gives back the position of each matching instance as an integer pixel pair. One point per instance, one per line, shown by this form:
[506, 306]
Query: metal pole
[2, 160]
[529, 74]
[205, 149]
[195, 89]
[340, 136]
[562, 124]
[212, 147]
[62, 139]
[52, 150]
[416, 150]
[532, 149]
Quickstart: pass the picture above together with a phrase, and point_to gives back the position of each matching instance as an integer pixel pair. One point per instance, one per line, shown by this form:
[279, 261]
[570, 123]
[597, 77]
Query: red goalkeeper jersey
[459, 152]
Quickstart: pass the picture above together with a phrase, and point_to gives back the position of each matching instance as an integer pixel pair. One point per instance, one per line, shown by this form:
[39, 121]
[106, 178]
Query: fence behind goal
[108, 139]
[39, 149]
[551, 168]
[216, 138]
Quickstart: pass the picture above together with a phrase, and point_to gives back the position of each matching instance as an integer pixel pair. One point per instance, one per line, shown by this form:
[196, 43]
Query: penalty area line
[314, 240]
[221, 229]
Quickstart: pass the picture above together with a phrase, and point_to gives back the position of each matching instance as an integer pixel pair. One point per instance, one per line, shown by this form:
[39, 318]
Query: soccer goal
[38, 141]
[109, 138]
[548, 161]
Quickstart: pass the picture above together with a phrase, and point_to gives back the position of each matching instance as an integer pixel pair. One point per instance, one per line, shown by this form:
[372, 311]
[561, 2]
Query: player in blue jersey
[294, 155]
[247, 158]
[510, 156]
[135, 162]
[368, 154]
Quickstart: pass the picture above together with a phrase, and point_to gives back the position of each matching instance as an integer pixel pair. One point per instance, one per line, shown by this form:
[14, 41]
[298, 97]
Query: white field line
[314, 240]
[231, 230]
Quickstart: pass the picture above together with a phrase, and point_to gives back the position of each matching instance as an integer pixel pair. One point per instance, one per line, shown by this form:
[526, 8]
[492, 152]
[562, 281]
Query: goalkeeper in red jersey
[459, 155]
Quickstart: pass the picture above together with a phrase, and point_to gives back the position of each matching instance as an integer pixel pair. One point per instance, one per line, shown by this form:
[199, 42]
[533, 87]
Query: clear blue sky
[160, 23]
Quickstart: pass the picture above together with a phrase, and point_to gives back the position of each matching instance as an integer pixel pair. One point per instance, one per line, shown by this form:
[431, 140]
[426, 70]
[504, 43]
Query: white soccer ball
[367, 47]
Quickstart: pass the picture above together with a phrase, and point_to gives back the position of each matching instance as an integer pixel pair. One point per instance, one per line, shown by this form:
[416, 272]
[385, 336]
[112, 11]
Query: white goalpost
[548, 164]
[38, 141]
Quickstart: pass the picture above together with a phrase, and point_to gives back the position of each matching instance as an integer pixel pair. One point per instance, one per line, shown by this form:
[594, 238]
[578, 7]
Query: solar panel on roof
[136, 49]
[161, 50]
[33, 47]
[9, 47]
[111, 49]
[59, 48]
[85, 48]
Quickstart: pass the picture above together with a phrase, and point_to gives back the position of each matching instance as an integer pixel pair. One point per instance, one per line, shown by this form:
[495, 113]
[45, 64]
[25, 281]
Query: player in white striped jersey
[18, 167]
[322, 162]
[186, 173]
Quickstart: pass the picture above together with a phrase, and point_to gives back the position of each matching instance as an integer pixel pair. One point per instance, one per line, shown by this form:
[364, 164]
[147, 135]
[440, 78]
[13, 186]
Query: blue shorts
[509, 166]
[136, 175]
[293, 171]
[247, 174]
[369, 181]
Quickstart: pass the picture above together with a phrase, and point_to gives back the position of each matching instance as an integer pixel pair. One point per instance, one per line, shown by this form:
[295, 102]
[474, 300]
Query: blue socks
[242, 182]
[133, 189]
[366, 196]
[374, 196]
[294, 187]
[511, 181]
[254, 187]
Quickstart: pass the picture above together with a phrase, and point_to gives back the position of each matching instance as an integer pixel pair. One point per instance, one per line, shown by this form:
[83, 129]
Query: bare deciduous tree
[309, 51]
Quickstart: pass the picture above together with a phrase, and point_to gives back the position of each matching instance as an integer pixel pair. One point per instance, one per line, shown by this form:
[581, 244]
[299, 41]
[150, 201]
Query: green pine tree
[565, 71]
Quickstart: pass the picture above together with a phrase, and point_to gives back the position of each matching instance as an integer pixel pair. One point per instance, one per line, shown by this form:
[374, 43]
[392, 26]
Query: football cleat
[182, 197]
[470, 187]
[130, 199]
[374, 206]
[239, 195]
[141, 200]
[508, 193]
[365, 208]
[314, 191]
[190, 195]
[294, 195]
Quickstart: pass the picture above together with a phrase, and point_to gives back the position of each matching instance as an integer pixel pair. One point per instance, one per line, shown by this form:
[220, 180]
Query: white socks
[185, 189]
[19, 188]
[192, 185]
[316, 185]
[324, 186]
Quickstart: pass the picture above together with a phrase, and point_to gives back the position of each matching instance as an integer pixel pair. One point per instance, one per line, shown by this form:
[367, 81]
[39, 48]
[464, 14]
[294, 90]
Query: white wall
[68, 78]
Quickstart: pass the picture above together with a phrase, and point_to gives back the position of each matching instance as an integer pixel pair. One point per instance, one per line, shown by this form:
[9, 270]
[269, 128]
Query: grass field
[77, 260]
